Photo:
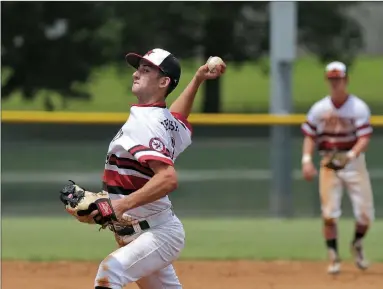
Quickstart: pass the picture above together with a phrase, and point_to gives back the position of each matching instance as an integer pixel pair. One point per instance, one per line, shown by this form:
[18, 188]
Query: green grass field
[244, 89]
[63, 238]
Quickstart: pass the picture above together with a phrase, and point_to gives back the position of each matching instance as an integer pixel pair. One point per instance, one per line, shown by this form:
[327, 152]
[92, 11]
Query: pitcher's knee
[108, 275]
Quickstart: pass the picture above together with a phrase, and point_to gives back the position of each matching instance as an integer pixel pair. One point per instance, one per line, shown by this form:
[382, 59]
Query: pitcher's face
[146, 80]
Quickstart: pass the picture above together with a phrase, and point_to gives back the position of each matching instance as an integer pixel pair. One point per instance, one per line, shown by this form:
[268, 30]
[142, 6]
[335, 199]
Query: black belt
[129, 230]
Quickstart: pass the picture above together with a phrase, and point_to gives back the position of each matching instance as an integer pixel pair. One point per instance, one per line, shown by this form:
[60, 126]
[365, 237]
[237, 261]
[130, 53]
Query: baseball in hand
[213, 62]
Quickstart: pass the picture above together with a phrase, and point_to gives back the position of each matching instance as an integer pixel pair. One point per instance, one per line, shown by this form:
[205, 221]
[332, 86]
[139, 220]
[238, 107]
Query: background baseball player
[339, 125]
[139, 174]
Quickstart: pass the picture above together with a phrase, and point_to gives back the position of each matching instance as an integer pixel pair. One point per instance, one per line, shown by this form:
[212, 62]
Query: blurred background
[69, 57]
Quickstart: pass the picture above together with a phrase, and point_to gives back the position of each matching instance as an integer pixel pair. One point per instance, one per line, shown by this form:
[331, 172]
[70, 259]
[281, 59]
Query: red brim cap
[335, 74]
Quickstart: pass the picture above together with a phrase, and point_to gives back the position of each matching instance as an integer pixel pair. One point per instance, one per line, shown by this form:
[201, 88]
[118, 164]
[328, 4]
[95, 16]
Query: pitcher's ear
[165, 82]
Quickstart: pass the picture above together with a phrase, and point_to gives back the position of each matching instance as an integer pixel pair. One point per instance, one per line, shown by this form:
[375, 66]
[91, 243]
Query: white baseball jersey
[151, 132]
[338, 127]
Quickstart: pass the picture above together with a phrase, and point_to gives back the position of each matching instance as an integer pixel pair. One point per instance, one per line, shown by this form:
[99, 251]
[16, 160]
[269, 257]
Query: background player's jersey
[150, 133]
[337, 127]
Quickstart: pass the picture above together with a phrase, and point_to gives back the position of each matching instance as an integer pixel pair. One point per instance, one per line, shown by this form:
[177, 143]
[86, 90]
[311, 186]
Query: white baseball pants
[355, 178]
[146, 260]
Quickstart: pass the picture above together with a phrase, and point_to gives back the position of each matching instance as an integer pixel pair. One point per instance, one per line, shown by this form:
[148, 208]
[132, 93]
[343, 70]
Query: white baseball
[213, 62]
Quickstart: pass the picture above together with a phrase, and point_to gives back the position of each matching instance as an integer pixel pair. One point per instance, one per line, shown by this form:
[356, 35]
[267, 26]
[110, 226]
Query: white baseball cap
[336, 69]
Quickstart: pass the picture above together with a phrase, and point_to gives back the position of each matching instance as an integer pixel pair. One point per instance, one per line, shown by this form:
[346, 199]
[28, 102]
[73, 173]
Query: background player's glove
[337, 161]
[80, 202]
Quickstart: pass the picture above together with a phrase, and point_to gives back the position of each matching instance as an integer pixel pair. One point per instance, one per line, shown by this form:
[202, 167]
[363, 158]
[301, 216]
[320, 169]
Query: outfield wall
[226, 172]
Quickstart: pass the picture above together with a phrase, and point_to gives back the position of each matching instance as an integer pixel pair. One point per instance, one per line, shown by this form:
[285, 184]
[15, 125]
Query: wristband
[351, 155]
[306, 158]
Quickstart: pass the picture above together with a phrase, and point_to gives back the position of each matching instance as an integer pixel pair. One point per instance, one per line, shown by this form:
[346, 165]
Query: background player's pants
[355, 179]
[146, 260]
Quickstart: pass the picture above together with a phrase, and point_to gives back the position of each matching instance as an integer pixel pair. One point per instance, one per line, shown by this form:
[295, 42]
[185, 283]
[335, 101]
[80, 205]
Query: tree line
[54, 46]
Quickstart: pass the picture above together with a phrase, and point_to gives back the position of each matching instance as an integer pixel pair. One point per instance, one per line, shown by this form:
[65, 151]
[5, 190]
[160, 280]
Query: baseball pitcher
[339, 127]
[138, 176]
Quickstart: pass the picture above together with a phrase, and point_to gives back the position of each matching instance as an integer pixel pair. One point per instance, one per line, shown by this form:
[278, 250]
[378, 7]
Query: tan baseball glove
[337, 161]
[80, 202]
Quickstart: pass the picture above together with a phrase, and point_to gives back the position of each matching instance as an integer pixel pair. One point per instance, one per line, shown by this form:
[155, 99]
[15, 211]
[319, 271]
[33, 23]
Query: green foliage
[54, 46]
[245, 89]
[51, 46]
[58, 239]
[328, 32]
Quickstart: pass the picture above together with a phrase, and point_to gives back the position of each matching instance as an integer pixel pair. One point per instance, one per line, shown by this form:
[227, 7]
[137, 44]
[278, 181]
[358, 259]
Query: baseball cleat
[357, 252]
[334, 267]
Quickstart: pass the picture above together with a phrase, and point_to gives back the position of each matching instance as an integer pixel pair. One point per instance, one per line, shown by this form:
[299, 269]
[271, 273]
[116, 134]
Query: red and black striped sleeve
[155, 151]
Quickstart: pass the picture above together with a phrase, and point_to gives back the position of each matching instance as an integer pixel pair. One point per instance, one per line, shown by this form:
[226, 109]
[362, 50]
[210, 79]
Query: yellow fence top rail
[119, 118]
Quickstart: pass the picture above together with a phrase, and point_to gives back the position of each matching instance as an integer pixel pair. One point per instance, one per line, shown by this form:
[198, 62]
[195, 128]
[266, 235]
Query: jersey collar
[154, 104]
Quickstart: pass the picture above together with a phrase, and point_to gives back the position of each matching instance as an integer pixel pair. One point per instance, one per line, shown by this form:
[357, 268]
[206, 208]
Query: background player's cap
[162, 59]
[336, 69]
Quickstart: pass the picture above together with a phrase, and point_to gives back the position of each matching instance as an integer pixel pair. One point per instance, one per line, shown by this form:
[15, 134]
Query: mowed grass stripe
[263, 239]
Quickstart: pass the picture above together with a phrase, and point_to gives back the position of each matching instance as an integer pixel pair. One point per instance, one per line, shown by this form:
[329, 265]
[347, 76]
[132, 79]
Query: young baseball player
[339, 127]
[139, 174]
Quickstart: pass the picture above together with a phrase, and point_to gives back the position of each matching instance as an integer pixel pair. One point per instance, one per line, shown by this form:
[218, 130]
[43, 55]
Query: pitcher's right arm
[184, 103]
